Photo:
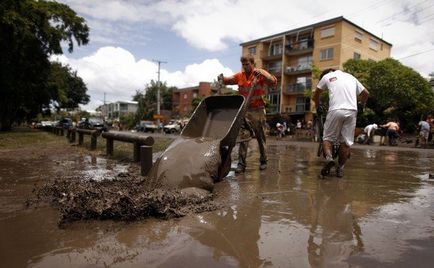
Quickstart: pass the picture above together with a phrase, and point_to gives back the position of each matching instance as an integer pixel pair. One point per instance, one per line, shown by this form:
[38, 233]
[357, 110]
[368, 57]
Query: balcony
[299, 48]
[298, 88]
[299, 69]
[275, 71]
[267, 57]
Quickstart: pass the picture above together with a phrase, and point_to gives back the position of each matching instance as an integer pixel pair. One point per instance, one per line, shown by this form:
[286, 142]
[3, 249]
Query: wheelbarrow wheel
[225, 166]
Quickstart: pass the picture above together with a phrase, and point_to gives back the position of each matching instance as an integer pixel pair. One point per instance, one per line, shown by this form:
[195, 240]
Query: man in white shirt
[424, 129]
[369, 131]
[343, 89]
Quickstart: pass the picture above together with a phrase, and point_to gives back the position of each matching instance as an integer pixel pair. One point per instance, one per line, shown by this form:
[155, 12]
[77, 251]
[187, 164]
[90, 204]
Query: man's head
[326, 71]
[248, 62]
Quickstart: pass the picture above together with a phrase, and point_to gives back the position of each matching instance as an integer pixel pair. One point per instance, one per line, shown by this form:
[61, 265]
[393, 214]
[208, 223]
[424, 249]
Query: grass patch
[35, 138]
[22, 137]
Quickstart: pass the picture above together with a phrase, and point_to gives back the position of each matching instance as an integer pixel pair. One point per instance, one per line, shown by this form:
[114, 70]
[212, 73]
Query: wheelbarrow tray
[216, 117]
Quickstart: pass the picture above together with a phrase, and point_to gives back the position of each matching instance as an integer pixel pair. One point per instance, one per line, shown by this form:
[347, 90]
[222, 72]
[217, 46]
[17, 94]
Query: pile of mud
[125, 197]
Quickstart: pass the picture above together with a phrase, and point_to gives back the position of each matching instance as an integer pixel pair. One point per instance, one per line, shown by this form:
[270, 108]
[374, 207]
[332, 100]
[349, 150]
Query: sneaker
[240, 169]
[263, 165]
[339, 172]
[325, 171]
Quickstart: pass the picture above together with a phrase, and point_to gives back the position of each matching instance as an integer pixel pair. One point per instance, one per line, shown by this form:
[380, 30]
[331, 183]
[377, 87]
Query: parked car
[146, 126]
[172, 127]
[65, 123]
[93, 123]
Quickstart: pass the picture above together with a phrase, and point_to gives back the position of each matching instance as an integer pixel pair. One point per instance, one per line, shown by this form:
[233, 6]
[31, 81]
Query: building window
[123, 107]
[373, 44]
[326, 54]
[185, 96]
[194, 95]
[305, 82]
[304, 63]
[303, 43]
[300, 104]
[327, 32]
[275, 67]
[252, 50]
[358, 36]
[276, 49]
[356, 56]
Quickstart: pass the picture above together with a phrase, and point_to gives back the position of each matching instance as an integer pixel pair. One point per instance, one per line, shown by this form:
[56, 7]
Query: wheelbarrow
[201, 155]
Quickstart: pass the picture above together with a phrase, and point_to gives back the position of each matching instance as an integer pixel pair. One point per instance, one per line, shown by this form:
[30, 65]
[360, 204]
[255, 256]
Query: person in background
[255, 114]
[392, 132]
[369, 130]
[341, 117]
[424, 130]
[280, 130]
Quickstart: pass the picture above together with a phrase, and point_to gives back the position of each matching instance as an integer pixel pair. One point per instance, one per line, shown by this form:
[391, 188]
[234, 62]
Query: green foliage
[30, 32]
[396, 91]
[70, 89]
[128, 120]
[147, 102]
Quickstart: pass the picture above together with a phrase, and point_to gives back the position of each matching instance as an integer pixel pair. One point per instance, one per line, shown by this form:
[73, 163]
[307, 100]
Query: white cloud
[212, 25]
[115, 72]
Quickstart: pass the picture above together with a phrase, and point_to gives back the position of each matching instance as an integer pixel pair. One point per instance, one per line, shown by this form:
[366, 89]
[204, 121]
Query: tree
[147, 102]
[30, 32]
[70, 90]
[396, 91]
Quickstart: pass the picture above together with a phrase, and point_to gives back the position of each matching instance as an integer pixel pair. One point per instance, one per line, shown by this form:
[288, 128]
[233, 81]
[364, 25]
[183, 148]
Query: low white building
[115, 109]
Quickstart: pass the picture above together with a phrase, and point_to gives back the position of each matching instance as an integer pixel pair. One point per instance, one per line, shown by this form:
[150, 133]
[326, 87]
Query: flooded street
[380, 214]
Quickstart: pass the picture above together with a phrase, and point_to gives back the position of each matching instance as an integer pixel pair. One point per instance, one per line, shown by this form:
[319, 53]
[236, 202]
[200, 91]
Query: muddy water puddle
[379, 215]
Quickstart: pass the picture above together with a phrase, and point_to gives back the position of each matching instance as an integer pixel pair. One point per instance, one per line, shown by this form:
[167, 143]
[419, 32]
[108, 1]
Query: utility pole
[158, 88]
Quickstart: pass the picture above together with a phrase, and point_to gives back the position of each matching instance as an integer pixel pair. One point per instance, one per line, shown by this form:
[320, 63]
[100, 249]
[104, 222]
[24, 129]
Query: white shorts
[424, 134]
[340, 125]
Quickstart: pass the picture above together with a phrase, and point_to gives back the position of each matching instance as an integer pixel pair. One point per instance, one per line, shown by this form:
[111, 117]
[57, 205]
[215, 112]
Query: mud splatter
[125, 197]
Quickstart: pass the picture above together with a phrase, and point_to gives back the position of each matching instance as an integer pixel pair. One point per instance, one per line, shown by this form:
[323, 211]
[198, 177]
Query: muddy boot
[325, 171]
[240, 169]
[339, 172]
[263, 165]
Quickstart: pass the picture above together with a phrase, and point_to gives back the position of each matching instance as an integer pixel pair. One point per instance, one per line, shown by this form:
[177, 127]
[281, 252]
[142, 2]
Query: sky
[195, 40]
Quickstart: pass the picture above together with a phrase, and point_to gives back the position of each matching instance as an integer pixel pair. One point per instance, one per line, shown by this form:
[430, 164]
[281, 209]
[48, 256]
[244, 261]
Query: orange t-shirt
[244, 83]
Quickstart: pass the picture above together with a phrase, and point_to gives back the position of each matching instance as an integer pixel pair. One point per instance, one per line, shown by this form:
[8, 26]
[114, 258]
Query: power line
[391, 17]
[415, 54]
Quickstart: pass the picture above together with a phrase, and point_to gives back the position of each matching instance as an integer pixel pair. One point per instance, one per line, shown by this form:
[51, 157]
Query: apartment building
[182, 98]
[291, 55]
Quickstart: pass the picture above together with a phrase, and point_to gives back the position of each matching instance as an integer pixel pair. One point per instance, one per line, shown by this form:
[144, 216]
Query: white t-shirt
[370, 128]
[343, 90]
[424, 126]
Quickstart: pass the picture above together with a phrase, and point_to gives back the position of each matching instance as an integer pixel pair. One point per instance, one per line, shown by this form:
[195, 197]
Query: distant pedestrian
[424, 130]
[392, 132]
[280, 131]
[298, 126]
[369, 131]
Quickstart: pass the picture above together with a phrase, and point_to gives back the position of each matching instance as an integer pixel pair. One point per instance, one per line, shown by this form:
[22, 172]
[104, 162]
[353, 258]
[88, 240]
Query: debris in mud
[126, 197]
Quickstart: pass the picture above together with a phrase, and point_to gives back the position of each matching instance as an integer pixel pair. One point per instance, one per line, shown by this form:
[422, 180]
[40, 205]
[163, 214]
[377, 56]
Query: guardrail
[142, 146]
[93, 136]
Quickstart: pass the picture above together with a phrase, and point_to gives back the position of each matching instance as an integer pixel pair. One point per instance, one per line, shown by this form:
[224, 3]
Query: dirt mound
[125, 197]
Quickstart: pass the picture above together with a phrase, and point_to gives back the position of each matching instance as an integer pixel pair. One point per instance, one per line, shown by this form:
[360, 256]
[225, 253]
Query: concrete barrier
[135, 138]
[70, 134]
[93, 136]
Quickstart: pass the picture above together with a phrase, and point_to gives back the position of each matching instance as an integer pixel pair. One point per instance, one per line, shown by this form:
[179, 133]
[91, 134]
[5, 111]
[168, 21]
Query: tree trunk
[7, 115]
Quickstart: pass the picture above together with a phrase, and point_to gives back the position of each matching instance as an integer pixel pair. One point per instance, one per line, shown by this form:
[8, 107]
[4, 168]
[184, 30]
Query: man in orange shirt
[255, 115]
